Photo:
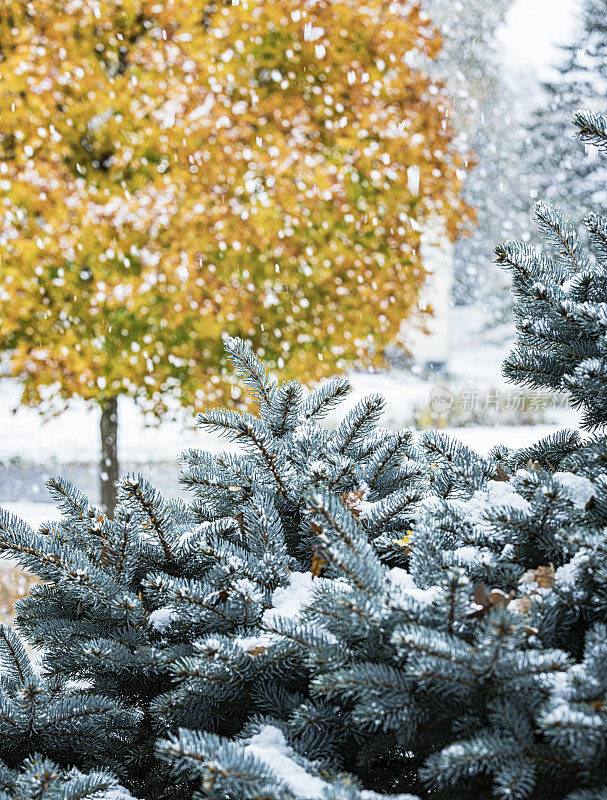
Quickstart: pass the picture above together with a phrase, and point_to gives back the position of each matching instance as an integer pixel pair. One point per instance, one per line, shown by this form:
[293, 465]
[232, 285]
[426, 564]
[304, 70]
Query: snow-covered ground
[73, 437]
[31, 448]
[32, 513]
[479, 438]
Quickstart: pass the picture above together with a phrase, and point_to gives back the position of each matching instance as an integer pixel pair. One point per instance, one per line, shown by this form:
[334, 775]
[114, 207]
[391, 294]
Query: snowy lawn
[68, 445]
[73, 437]
[480, 439]
[32, 513]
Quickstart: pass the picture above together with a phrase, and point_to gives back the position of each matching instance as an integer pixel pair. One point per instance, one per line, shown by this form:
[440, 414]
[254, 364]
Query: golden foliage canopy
[172, 170]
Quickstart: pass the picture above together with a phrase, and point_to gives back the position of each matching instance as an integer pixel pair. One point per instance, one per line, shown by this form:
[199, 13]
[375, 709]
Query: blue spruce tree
[557, 167]
[160, 608]
[42, 716]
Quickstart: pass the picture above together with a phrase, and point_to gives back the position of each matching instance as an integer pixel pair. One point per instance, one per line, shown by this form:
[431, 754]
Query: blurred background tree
[561, 169]
[486, 118]
[172, 171]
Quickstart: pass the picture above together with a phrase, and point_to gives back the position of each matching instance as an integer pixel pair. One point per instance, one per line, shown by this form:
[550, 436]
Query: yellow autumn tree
[175, 170]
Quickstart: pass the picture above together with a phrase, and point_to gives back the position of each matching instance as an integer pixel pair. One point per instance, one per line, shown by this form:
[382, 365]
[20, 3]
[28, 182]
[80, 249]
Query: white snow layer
[567, 576]
[368, 795]
[162, 618]
[561, 686]
[252, 643]
[400, 578]
[497, 493]
[270, 747]
[288, 601]
[116, 793]
[577, 488]
[502, 493]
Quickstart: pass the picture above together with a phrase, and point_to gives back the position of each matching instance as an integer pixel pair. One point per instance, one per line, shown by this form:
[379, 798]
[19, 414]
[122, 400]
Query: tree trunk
[108, 472]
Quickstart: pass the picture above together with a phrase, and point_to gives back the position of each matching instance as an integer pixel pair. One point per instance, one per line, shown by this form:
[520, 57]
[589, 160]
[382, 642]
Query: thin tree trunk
[108, 472]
